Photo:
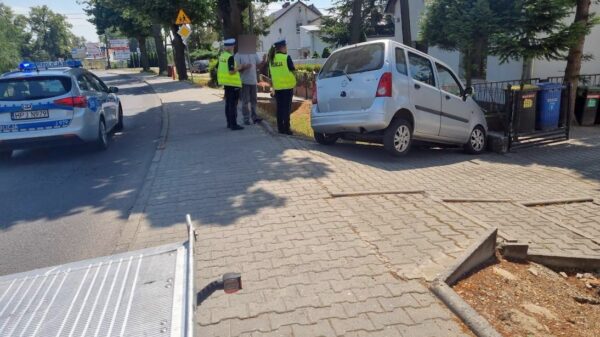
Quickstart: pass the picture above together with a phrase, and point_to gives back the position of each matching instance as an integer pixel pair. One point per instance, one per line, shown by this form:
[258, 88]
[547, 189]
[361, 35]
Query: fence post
[510, 115]
[568, 112]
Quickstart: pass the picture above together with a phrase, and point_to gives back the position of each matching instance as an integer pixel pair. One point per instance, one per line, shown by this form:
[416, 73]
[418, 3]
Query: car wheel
[477, 141]
[397, 138]
[6, 154]
[325, 139]
[119, 125]
[102, 141]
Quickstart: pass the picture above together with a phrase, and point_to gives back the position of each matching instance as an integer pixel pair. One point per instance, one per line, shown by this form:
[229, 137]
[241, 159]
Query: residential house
[412, 10]
[300, 25]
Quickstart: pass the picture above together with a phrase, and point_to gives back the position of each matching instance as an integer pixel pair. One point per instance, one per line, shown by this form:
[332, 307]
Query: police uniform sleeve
[290, 64]
[231, 63]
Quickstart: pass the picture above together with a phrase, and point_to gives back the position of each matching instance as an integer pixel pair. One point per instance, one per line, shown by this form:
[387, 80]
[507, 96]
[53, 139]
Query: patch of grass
[299, 120]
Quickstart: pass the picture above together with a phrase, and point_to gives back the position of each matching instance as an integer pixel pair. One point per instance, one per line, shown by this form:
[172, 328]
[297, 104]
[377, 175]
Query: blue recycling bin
[548, 106]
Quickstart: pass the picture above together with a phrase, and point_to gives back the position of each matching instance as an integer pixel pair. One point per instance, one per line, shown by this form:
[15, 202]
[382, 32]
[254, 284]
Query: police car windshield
[33, 88]
[359, 59]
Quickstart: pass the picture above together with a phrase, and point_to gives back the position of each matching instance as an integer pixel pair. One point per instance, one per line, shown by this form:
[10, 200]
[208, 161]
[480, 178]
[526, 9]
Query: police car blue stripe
[5, 128]
[39, 106]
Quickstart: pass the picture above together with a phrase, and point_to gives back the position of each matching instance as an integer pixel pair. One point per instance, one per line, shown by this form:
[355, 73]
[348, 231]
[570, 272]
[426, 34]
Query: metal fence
[506, 113]
[587, 80]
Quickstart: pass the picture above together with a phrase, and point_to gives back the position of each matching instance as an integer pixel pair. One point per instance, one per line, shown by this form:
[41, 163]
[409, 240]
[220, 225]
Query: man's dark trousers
[284, 108]
[232, 95]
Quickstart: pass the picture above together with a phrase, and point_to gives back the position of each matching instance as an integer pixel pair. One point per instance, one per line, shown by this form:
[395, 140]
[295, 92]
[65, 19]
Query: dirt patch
[531, 300]
[299, 119]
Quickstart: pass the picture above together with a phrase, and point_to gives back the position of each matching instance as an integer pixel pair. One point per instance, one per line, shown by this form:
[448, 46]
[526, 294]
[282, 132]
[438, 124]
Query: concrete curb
[566, 261]
[476, 255]
[363, 193]
[556, 201]
[137, 211]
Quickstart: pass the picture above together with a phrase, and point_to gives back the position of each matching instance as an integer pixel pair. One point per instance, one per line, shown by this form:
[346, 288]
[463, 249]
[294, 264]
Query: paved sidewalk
[317, 265]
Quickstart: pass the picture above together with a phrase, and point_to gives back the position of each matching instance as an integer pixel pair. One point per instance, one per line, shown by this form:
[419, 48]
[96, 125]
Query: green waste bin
[586, 105]
[524, 105]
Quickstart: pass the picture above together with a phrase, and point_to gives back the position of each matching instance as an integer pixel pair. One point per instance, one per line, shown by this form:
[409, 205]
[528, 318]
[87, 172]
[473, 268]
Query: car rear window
[354, 60]
[32, 88]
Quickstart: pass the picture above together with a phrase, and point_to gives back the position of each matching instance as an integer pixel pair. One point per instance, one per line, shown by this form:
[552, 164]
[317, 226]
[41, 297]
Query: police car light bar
[36, 66]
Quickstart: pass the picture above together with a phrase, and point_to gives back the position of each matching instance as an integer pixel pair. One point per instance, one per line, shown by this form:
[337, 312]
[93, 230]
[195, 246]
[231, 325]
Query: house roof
[279, 13]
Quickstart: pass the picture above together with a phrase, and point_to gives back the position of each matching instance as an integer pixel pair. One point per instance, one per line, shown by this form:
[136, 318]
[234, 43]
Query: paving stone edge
[135, 216]
[480, 251]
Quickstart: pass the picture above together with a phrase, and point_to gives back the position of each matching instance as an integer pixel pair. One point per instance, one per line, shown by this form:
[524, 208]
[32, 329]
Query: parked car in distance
[199, 66]
[385, 92]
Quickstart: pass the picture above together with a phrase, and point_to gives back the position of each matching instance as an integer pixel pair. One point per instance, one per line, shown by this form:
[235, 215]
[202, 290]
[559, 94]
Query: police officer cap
[280, 43]
[229, 42]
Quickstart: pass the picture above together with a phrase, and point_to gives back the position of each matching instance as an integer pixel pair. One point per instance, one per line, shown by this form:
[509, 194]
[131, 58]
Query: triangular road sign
[182, 18]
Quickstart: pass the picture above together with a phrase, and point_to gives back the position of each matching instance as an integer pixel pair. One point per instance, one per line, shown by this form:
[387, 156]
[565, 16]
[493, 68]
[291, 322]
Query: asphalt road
[67, 204]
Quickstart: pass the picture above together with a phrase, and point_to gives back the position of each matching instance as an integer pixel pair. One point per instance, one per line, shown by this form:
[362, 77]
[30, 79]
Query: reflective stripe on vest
[281, 76]
[223, 75]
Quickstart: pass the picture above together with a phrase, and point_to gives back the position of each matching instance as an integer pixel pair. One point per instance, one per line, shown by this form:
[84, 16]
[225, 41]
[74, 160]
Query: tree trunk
[179, 49]
[356, 21]
[405, 18]
[160, 51]
[582, 16]
[230, 12]
[143, 53]
[468, 65]
[526, 70]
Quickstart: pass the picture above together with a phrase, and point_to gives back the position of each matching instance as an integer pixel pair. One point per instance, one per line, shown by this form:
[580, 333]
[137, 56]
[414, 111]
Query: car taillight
[76, 102]
[384, 89]
[314, 94]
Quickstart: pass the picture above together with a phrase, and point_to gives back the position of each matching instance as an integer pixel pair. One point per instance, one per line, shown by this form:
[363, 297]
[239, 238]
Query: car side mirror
[468, 92]
[113, 90]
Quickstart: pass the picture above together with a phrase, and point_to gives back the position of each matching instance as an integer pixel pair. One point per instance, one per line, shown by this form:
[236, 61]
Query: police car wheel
[325, 139]
[102, 141]
[477, 141]
[5, 155]
[397, 138]
[119, 125]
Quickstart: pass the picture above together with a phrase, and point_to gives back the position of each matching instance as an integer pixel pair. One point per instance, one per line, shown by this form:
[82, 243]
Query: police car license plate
[34, 114]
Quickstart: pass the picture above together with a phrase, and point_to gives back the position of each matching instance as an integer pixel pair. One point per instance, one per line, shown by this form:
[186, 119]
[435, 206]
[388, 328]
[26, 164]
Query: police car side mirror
[113, 90]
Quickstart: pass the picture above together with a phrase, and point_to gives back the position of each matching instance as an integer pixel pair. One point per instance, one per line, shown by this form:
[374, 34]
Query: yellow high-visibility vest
[223, 75]
[281, 76]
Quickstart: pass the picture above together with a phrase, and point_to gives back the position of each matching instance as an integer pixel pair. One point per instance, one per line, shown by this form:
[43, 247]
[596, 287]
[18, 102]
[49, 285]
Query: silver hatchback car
[57, 105]
[385, 92]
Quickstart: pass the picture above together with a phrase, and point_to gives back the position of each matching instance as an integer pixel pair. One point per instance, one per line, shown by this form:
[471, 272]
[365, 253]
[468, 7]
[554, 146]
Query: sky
[81, 27]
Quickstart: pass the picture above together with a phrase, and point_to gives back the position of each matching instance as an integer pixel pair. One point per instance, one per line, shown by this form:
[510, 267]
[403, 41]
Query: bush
[308, 68]
[203, 54]
[212, 69]
[326, 53]
[315, 55]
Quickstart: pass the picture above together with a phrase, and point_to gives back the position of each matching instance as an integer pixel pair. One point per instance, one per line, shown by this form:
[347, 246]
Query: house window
[298, 24]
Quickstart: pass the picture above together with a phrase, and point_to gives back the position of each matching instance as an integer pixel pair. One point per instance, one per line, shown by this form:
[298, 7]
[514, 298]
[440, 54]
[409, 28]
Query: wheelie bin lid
[517, 87]
[549, 85]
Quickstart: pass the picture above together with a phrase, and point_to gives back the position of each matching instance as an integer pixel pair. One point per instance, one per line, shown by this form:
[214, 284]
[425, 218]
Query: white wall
[285, 27]
[543, 68]
[503, 72]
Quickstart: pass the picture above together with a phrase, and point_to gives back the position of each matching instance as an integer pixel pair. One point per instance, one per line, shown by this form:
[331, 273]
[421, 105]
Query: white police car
[56, 103]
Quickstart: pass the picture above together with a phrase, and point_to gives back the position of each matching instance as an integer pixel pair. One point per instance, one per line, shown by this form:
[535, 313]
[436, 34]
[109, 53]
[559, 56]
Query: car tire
[6, 154]
[477, 141]
[119, 126]
[397, 138]
[102, 141]
[325, 139]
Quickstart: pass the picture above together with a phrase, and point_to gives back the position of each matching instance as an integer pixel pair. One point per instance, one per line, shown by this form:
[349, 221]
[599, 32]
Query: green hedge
[308, 67]
[203, 54]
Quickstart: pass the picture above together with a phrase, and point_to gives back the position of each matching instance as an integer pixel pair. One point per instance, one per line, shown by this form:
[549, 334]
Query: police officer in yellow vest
[284, 81]
[229, 77]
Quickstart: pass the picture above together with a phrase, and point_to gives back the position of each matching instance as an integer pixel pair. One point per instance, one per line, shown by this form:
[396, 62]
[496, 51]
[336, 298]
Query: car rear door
[456, 113]
[102, 100]
[32, 103]
[349, 78]
[424, 95]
